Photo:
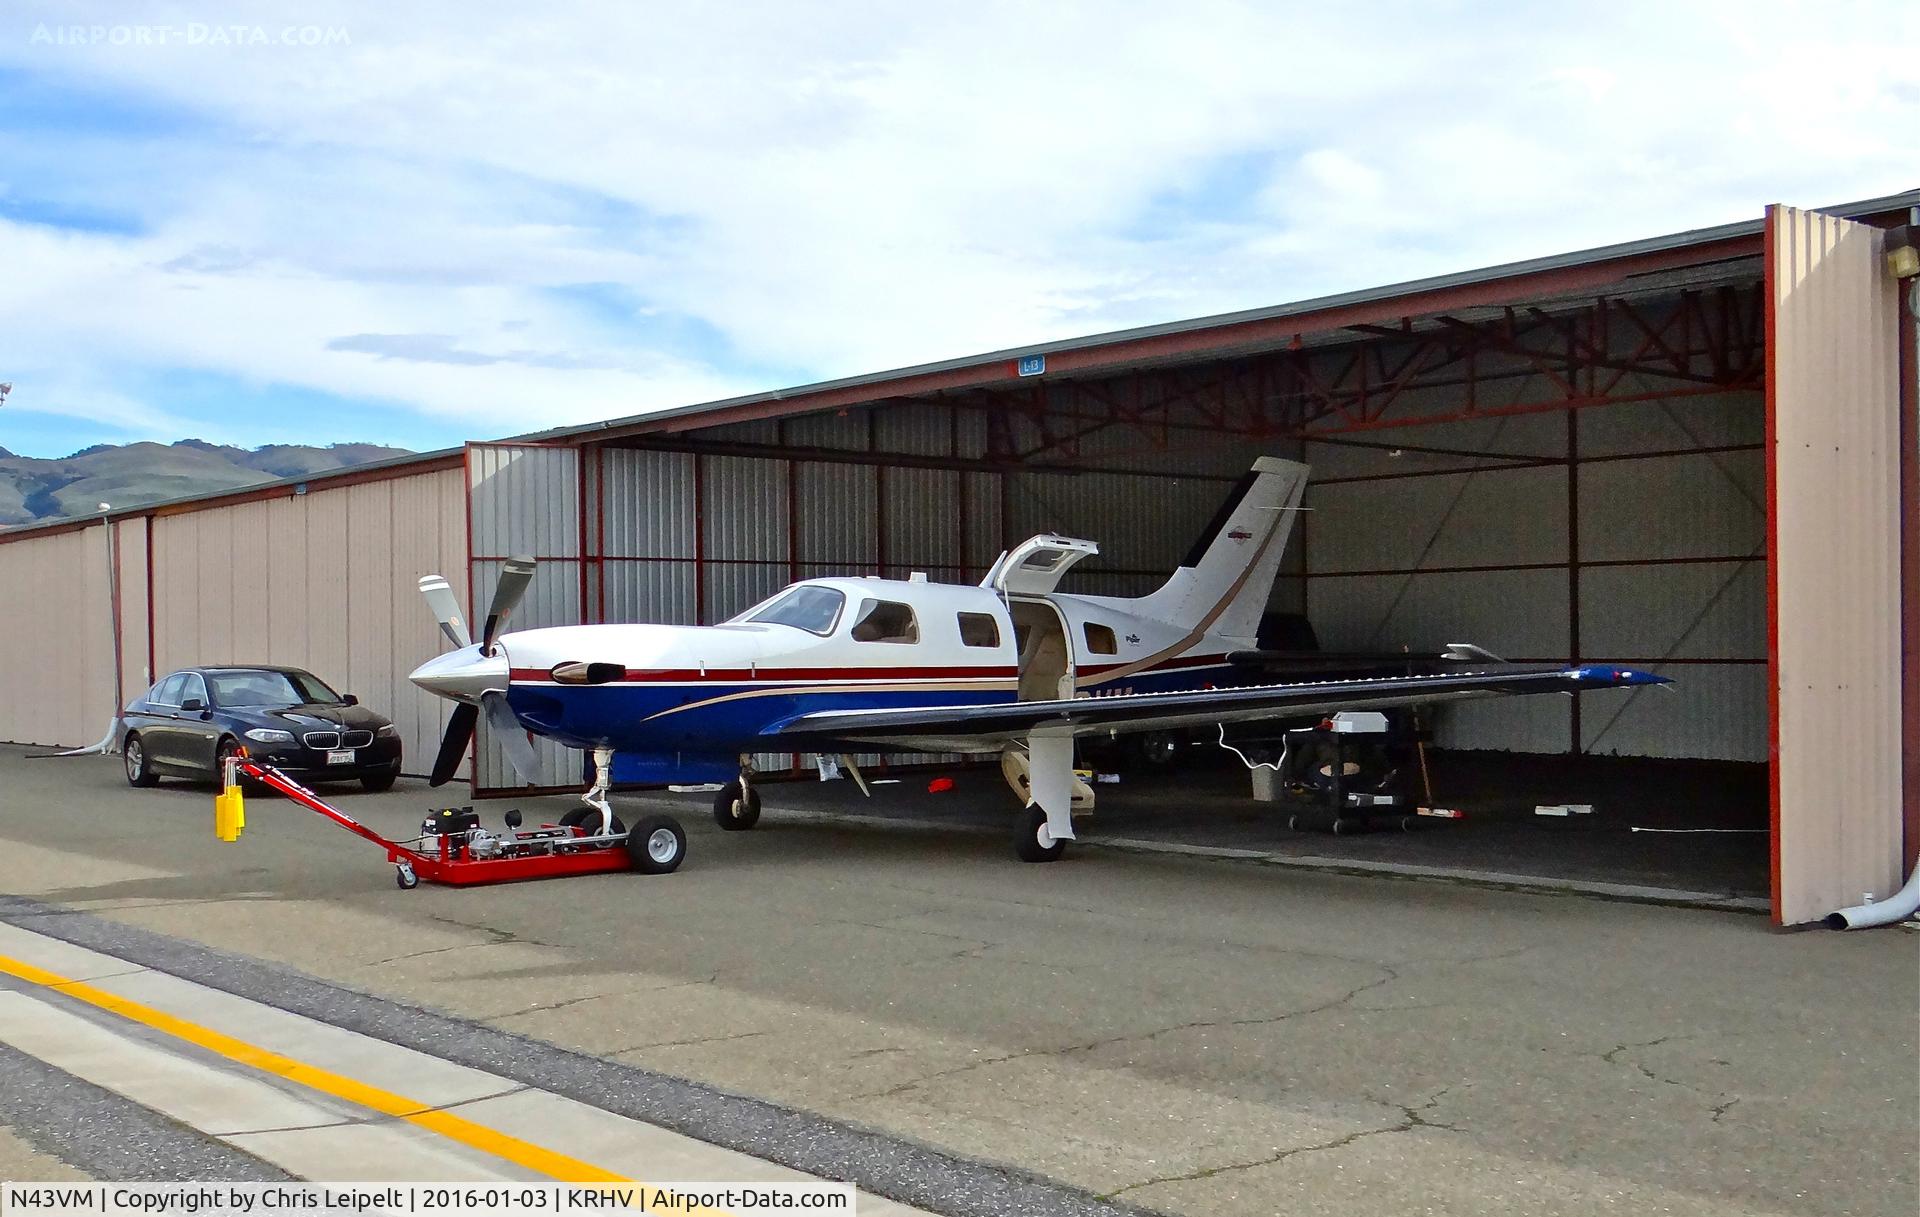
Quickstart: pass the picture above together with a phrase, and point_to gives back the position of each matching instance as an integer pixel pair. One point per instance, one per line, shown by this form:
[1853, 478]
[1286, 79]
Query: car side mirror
[350, 700]
[193, 705]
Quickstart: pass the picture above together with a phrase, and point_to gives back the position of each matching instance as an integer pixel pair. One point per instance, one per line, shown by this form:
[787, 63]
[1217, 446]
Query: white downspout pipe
[1897, 907]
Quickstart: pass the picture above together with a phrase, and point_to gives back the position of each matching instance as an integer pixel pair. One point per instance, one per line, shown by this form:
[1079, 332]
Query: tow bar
[453, 849]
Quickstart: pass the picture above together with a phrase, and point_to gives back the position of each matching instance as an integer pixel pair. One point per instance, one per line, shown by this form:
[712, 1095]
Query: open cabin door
[1034, 567]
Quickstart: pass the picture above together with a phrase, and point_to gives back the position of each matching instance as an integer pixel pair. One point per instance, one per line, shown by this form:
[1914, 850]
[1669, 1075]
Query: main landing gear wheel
[139, 773]
[657, 845]
[589, 819]
[736, 808]
[1033, 840]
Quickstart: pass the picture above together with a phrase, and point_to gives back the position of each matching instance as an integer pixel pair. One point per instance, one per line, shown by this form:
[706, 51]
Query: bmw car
[192, 720]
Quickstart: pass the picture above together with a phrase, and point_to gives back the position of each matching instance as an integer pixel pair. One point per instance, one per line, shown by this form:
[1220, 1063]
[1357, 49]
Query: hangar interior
[1578, 478]
[1564, 460]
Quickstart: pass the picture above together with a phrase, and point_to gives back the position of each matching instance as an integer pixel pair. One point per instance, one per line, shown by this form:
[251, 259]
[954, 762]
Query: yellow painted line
[533, 1157]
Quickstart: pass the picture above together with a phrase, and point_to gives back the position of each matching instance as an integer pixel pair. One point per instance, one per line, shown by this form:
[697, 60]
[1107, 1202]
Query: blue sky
[348, 221]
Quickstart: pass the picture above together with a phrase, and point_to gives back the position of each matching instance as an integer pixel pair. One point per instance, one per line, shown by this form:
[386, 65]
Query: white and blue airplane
[846, 665]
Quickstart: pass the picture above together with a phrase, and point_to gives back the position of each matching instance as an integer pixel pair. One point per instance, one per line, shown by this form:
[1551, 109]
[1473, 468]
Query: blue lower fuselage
[733, 716]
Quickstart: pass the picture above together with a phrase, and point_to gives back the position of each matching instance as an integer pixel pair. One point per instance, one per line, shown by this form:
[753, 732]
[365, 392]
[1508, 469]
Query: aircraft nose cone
[462, 675]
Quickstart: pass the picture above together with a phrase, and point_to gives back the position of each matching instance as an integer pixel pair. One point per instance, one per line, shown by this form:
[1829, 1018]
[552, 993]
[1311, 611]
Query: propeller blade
[446, 609]
[453, 745]
[511, 736]
[515, 574]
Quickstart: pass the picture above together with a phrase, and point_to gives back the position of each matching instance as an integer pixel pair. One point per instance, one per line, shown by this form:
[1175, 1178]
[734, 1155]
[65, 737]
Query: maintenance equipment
[454, 849]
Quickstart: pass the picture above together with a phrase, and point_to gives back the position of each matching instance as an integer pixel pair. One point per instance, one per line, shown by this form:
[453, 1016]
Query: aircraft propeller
[515, 576]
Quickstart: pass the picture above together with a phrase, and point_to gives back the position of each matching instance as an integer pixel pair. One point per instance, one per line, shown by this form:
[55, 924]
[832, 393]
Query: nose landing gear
[737, 807]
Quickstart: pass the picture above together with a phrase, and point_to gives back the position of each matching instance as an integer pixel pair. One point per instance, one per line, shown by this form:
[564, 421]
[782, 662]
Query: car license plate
[343, 756]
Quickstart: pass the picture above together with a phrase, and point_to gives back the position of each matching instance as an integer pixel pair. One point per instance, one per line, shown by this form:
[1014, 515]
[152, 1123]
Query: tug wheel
[1033, 841]
[404, 878]
[657, 845]
[735, 810]
[139, 771]
[589, 818]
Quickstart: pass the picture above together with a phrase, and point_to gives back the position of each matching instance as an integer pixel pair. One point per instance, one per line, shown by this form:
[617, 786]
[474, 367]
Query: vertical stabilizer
[1225, 580]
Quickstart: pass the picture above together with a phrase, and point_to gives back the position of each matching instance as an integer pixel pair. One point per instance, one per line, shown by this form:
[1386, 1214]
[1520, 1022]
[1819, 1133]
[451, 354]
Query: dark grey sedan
[192, 720]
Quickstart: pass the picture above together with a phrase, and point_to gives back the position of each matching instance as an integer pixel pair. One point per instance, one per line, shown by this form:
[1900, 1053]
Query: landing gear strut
[596, 796]
[737, 806]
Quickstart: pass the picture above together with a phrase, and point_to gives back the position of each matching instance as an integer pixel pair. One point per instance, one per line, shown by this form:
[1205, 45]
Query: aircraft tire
[589, 818]
[657, 845]
[734, 813]
[1031, 840]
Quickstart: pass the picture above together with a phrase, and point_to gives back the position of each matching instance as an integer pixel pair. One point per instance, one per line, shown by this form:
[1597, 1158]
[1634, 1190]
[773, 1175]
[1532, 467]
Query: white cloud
[843, 188]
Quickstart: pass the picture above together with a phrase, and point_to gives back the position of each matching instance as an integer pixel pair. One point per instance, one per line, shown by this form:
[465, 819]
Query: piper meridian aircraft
[845, 665]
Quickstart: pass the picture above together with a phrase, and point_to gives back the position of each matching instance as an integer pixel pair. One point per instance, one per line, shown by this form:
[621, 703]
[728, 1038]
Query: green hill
[35, 491]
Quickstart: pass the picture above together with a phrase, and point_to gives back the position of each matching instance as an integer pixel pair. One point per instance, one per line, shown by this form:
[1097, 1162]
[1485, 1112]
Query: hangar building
[1693, 453]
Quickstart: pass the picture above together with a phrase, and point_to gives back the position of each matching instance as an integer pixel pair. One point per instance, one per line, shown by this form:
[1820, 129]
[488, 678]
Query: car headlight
[267, 735]
[388, 732]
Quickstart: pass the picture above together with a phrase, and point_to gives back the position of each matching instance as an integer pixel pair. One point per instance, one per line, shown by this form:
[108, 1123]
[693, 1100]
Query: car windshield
[268, 688]
[814, 609]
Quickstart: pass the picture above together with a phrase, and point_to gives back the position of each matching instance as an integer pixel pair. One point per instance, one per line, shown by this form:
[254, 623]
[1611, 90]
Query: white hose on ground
[1897, 907]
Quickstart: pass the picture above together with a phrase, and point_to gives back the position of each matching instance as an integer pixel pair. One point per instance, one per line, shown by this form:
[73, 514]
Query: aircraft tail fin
[1225, 580]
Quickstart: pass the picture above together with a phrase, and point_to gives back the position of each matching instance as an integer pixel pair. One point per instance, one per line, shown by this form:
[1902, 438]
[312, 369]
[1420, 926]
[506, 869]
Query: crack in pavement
[1616, 1056]
[704, 1039]
[1411, 1118]
[1109, 1041]
[574, 1001]
[979, 943]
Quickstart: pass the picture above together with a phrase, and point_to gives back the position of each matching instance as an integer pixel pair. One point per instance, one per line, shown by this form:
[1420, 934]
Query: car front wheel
[139, 772]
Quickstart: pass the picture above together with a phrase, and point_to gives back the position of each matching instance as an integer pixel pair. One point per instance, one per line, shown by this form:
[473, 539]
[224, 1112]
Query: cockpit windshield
[813, 609]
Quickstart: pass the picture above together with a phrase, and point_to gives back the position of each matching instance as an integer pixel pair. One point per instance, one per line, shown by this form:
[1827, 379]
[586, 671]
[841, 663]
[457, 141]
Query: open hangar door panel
[1833, 415]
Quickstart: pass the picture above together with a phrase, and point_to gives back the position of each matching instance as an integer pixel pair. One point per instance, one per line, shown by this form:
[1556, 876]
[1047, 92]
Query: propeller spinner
[476, 676]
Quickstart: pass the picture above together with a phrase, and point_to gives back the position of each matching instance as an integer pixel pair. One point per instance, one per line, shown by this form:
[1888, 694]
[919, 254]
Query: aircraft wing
[988, 728]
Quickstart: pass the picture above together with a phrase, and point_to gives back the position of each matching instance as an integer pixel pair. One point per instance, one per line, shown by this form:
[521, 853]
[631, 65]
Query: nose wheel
[737, 806]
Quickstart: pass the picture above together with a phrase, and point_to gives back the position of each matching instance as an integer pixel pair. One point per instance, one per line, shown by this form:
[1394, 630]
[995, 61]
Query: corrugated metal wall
[1833, 447]
[1670, 566]
[56, 648]
[324, 581]
[525, 502]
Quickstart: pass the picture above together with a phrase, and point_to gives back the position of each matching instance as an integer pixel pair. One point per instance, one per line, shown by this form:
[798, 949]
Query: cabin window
[886, 621]
[979, 630]
[1100, 640]
[813, 609]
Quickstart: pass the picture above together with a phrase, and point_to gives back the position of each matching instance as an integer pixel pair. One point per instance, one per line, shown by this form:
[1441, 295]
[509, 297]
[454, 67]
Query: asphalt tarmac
[1186, 1035]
